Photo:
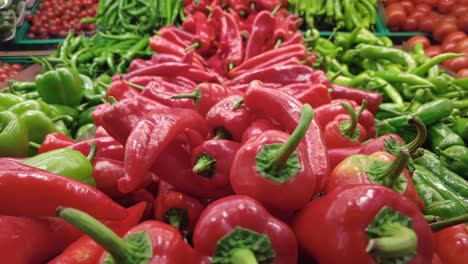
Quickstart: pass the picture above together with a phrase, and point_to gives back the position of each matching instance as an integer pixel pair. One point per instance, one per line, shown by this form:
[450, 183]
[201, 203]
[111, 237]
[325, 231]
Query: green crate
[23, 60]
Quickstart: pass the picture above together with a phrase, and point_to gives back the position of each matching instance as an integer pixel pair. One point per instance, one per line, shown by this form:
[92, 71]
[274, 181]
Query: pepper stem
[222, 133]
[278, 43]
[112, 100]
[65, 118]
[238, 104]
[401, 242]
[398, 165]
[243, 256]
[277, 8]
[449, 222]
[354, 116]
[133, 85]
[34, 145]
[92, 151]
[195, 96]
[116, 246]
[281, 156]
[432, 218]
[417, 142]
[195, 45]
[205, 165]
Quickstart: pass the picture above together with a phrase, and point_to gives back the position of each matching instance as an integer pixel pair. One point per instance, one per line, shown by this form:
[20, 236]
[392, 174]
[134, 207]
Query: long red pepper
[107, 147]
[282, 74]
[313, 94]
[162, 92]
[357, 95]
[38, 193]
[257, 128]
[86, 251]
[55, 141]
[262, 31]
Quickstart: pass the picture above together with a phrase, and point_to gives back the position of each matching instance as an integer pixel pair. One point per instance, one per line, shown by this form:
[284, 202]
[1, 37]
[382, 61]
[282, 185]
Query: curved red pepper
[86, 251]
[343, 216]
[162, 92]
[233, 120]
[120, 90]
[169, 34]
[161, 45]
[451, 244]
[29, 240]
[39, 193]
[55, 141]
[97, 113]
[150, 137]
[374, 99]
[106, 147]
[204, 36]
[260, 39]
[258, 127]
[179, 80]
[243, 215]
[282, 74]
[177, 209]
[313, 94]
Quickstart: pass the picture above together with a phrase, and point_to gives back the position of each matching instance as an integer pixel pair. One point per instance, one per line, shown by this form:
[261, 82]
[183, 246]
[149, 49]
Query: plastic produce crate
[23, 60]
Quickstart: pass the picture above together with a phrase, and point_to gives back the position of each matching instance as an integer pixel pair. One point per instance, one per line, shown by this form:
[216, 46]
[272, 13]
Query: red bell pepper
[150, 137]
[374, 99]
[107, 173]
[55, 141]
[29, 240]
[276, 105]
[313, 94]
[41, 193]
[451, 244]
[260, 39]
[148, 242]
[377, 168]
[86, 251]
[206, 95]
[237, 229]
[258, 127]
[193, 139]
[269, 58]
[282, 74]
[274, 165]
[107, 147]
[230, 118]
[365, 224]
[177, 209]
[344, 130]
[119, 119]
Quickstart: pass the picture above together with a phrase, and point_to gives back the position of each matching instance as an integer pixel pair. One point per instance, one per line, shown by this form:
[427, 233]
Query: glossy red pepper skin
[243, 211]
[258, 127]
[179, 80]
[374, 99]
[150, 137]
[101, 132]
[86, 251]
[269, 58]
[451, 244]
[344, 214]
[42, 192]
[211, 94]
[55, 141]
[97, 113]
[204, 36]
[138, 196]
[169, 34]
[278, 106]
[353, 171]
[29, 240]
[162, 91]
[161, 45]
[119, 119]
[334, 138]
[268, 4]
[106, 147]
[107, 172]
[120, 90]
[282, 74]
[139, 64]
[167, 200]
[234, 121]
[260, 39]
[313, 94]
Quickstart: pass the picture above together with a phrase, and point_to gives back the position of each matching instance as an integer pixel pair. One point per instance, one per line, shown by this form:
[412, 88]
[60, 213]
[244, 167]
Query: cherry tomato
[13, 73]
[4, 76]
[396, 15]
[461, 45]
[448, 19]
[444, 6]
[459, 10]
[423, 8]
[442, 30]
[411, 24]
[407, 5]
[433, 51]
[3, 71]
[418, 39]
[17, 67]
[429, 23]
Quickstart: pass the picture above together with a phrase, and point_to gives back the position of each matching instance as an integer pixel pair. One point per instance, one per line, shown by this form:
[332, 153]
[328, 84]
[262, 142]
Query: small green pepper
[460, 126]
[61, 86]
[27, 105]
[90, 93]
[61, 110]
[38, 125]
[85, 132]
[13, 136]
[456, 158]
[66, 162]
[8, 100]
[442, 137]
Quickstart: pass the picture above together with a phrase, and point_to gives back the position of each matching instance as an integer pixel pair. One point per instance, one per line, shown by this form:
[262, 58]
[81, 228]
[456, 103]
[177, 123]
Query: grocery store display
[9, 71]
[232, 131]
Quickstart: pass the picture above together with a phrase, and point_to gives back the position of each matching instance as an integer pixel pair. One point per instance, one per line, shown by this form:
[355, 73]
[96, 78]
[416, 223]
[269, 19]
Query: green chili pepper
[456, 158]
[9, 100]
[90, 92]
[462, 82]
[424, 68]
[460, 126]
[401, 77]
[17, 87]
[85, 116]
[61, 86]
[442, 137]
[13, 136]
[66, 162]
[374, 52]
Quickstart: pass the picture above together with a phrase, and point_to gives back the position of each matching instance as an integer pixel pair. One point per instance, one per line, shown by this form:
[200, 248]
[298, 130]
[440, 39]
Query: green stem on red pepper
[449, 222]
[205, 166]
[348, 128]
[195, 96]
[243, 256]
[176, 217]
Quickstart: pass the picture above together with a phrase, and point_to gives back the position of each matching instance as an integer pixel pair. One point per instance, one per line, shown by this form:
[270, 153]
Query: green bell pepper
[13, 136]
[460, 126]
[38, 125]
[65, 110]
[37, 105]
[66, 162]
[61, 86]
[8, 100]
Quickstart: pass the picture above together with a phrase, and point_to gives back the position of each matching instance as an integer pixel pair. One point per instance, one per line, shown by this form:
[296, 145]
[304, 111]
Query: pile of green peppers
[411, 84]
[59, 100]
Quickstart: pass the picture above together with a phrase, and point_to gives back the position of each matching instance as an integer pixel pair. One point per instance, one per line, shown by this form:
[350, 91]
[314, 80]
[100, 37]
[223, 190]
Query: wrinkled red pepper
[260, 39]
[374, 99]
[313, 94]
[258, 127]
[55, 141]
[282, 74]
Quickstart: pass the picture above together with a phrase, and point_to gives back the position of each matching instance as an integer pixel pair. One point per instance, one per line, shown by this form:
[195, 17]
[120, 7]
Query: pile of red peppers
[227, 147]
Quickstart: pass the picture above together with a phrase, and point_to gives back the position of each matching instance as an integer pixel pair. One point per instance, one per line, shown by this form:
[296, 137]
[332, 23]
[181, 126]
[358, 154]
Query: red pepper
[337, 155]
[319, 77]
[150, 137]
[107, 172]
[365, 224]
[377, 168]
[345, 130]
[55, 141]
[206, 95]
[313, 94]
[357, 95]
[239, 6]
[193, 138]
[162, 92]
[97, 113]
[261, 36]
[179, 80]
[238, 227]
[169, 34]
[29, 240]
[258, 127]
[101, 132]
[86, 251]
[204, 36]
[296, 38]
[120, 90]
[107, 147]
[163, 57]
[161, 45]
[275, 165]
[283, 108]
[451, 244]
[183, 35]
[269, 58]
[227, 117]
[177, 209]
[119, 119]
[230, 46]
[141, 195]
[148, 242]
[282, 74]
[32, 192]
[139, 64]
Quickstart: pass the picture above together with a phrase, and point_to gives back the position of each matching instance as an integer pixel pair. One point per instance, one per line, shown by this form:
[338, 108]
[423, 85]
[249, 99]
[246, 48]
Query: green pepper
[374, 52]
[66, 162]
[13, 136]
[456, 158]
[62, 110]
[90, 93]
[27, 105]
[17, 87]
[8, 100]
[424, 68]
[442, 137]
[85, 132]
[460, 126]
[462, 82]
[61, 86]
[38, 125]
[85, 116]
[400, 77]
